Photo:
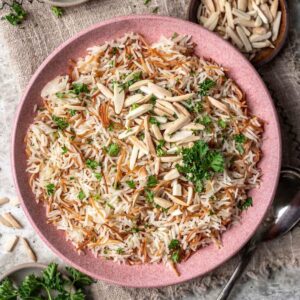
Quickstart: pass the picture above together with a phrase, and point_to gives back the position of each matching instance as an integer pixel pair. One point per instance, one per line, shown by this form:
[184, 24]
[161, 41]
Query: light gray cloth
[30, 43]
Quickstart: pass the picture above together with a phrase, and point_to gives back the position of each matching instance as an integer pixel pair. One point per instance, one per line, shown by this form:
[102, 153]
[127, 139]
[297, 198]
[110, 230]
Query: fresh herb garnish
[111, 126]
[114, 50]
[50, 189]
[92, 164]
[204, 120]
[174, 248]
[57, 11]
[240, 139]
[246, 204]
[194, 106]
[113, 149]
[205, 86]
[153, 99]
[131, 184]
[152, 181]
[135, 77]
[174, 245]
[200, 163]
[109, 205]
[153, 120]
[79, 88]
[176, 256]
[61, 123]
[72, 112]
[135, 229]
[147, 1]
[81, 195]
[98, 176]
[17, 14]
[50, 282]
[159, 150]
[60, 95]
[64, 150]
[149, 196]
[120, 251]
[134, 106]
[222, 123]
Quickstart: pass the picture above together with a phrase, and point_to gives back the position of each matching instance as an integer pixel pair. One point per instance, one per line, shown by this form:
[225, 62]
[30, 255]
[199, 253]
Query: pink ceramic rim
[162, 281]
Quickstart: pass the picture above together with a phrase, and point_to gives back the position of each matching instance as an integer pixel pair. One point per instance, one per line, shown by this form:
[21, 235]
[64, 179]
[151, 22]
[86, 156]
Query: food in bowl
[143, 153]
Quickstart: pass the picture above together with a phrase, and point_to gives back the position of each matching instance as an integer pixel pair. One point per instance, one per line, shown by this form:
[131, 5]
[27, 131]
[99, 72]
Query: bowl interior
[208, 45]
[267, 54]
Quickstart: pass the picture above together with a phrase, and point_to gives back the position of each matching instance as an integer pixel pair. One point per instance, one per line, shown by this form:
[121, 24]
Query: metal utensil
[286, 210]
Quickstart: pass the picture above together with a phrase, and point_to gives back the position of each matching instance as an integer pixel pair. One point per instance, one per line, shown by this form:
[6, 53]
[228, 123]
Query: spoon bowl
[266, 54]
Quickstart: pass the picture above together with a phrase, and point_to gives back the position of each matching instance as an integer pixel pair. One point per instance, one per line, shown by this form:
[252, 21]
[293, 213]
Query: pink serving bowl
[209, 45]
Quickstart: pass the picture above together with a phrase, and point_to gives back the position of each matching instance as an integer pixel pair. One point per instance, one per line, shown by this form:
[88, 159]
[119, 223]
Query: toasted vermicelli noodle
[112, 151]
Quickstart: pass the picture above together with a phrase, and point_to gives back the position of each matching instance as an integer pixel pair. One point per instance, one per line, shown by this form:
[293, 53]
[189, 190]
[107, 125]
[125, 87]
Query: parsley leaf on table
[17, 15]
[57, 11]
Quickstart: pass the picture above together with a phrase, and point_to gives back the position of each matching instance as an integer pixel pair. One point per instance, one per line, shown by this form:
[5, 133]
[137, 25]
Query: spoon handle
[246, 256]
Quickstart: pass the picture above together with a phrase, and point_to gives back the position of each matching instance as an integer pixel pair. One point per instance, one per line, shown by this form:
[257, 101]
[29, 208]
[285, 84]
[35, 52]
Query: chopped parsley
[72, 112]
[113, 149]
[92, 164]
[159, 150]
[174, 245]
[205, 86]
[17, 14]
[152, 181]
[120, 251]
[50, 189]
[114, 50]
[79, 88]
[222, 123]
[149, 196]
[246, 204]
[135, 229]
[81, 195]
[109, 205]
[200, 163]
[111, 126]
[134, 106]
[176, 256]
[153, 99]
[64, 150]
[135, 77]
[153, 120]
[205, 120]
[98, 176]
[194, 106]
[61, 123]
[57, 11]
[174, 248]
[131, 184]
[240, 139]
[60, 95]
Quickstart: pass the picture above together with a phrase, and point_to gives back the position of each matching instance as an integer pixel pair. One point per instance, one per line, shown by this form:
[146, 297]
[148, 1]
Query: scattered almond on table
[251, 25]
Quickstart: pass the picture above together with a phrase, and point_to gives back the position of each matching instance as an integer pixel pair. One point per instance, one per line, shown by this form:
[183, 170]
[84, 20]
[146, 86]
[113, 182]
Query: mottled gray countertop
[281, 284]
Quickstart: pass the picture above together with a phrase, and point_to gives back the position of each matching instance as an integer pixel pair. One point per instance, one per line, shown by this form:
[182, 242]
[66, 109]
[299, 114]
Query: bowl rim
[190, 15]
[17, 116]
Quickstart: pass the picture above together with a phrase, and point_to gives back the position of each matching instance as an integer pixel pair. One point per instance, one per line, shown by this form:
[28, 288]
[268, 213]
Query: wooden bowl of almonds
[258, 28]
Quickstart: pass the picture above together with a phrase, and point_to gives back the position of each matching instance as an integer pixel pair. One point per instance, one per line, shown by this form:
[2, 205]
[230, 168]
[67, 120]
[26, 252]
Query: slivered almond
[176, 125]
[160, 112]
[128, 132]
[133, 99]
[136, 142]
[189, 139]
[234, 37]
[148, 138]
[135, 197]
[190, 195]
[159, 91]
[244, 38]
[118, 98]
[156, 132]
[274, 8]
[12, 220]
[210, 5]
[259, 30]
[212, 21]
[4, 222]
[246, 23]
[105, 90]
[242, 5]
[133, 157]
[156, 165]
[260, 37]
[179, 98]
[176, 200]
[260, 13]
[172, 150]
[193, 126]
[138, 84]
[176, 188]
[165, 159]
[258, 22]
[173, 174]
[182, 109]
[259, 45]
[10, 243]
[218, 104]
[241, 14]
[275, 26]
[266, 10]
[228, 13]
[163, 202]
[3, 200]
[167, 106]
[139, 111]
[29, 250]
[178, 136]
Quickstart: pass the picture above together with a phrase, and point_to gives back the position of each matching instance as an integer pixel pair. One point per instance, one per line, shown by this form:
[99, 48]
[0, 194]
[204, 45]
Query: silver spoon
[286, 209]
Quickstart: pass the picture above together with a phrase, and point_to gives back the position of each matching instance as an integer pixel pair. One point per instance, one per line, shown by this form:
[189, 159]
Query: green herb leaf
[175, 256]
[79, 88]
[153, 99]
[17, 15]
[120, 251]
[240, 148]
[113, 149]
[134, 106]
[194, 106]
[135, 229]
[111, 126]
[159, 150]
[136, 77]
[52, 278]
[79, 280]
[61, 123]
[64, 150]
[222, 123]
[147, 1]
[60, 95]
[246, 204]
[81, 195]
[50, 189]
[240, 138]
[72, 112]
[7, 290]
[114, 50]
[205, 86]
[98, 176]
[131, 184]
[152, 181]
[149, 196]
[217, 162]
[174, 245]
[92, 164]
[153, 120]
[29, 287]
[57, 11]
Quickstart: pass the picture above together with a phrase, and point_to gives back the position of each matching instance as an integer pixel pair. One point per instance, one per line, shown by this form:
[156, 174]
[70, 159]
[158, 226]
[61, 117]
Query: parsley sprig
[200, 163]
[205, 86]
[50, 282]
[17, 14]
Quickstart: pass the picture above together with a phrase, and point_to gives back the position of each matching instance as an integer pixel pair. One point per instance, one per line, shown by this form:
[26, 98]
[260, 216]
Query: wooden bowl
[267, 54]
